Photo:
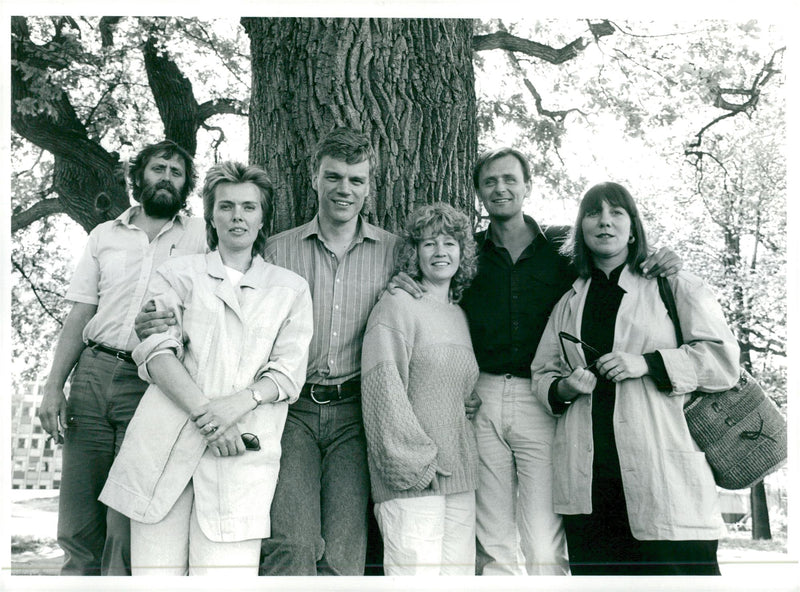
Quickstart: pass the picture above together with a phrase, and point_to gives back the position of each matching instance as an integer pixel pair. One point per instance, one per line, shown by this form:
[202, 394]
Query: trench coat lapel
[574, 312]
[225, 290]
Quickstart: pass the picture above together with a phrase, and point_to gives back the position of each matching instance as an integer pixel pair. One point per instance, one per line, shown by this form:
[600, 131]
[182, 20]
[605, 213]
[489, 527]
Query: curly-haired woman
[417, 370]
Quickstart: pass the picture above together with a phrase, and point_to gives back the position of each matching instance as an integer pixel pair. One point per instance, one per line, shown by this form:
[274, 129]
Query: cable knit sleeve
[399, 449]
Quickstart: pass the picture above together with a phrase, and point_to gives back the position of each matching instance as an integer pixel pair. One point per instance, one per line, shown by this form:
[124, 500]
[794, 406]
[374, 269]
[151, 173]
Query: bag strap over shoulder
[665, 290]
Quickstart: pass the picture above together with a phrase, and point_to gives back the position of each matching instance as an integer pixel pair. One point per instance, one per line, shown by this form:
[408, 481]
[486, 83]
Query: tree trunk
[406, 83]
[759, 512]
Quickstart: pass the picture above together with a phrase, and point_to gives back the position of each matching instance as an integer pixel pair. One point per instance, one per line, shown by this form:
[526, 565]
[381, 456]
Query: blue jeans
[319, 513]
[103, 397]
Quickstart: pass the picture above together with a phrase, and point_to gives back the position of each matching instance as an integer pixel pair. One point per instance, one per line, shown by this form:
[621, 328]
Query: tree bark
[408, 84]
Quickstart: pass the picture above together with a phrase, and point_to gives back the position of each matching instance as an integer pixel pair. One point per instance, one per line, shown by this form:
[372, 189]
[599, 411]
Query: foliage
[637, 107]
[98, 65]
[628, 106]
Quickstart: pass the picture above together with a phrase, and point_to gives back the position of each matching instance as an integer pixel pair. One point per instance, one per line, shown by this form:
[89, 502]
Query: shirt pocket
[112, 268]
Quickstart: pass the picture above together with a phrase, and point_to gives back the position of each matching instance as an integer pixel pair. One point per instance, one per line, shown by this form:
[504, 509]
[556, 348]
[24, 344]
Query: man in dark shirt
[521, 275]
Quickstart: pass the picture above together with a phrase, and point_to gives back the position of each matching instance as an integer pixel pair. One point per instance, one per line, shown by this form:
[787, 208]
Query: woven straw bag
[741, 430]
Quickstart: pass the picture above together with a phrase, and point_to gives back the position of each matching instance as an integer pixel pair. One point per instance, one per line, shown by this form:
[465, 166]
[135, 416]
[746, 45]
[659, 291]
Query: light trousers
[177, 546]
[518, 531]
[429, 535]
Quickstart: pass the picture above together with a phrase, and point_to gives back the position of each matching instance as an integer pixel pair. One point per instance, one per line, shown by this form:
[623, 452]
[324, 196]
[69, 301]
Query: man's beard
[156, 204]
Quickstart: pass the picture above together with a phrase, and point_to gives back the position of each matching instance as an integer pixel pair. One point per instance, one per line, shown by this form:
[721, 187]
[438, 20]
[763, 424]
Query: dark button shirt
[597, 329]
[508, 303]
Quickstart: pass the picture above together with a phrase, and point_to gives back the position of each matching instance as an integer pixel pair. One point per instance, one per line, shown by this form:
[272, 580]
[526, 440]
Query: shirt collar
[364, 230]
[216, 268]
[488, 241]
[613, 278]
[126, 217]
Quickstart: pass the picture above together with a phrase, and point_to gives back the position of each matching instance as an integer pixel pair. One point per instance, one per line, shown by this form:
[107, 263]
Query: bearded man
[107, 291]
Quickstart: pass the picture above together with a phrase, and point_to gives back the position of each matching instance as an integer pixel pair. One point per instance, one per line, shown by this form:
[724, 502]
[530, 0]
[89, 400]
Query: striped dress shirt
[343, 292]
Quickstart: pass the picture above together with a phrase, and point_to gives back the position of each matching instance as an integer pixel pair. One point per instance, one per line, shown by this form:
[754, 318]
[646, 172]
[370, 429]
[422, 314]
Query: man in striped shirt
[319, 513]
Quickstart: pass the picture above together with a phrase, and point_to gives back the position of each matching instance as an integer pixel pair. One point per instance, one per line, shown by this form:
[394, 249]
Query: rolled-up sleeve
[288, 359]
[708, 361]
[548, 363]
[166, 296]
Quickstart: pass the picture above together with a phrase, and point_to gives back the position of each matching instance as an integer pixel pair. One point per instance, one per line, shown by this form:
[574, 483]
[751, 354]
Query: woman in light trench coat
[636, 494]
[198, 467]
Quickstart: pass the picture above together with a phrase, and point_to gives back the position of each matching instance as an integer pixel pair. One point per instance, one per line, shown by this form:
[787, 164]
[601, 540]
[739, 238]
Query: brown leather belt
[322, 394]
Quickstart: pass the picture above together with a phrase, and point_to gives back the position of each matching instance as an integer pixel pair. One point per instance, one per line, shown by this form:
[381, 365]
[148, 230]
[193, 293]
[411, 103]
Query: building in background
[36, 460]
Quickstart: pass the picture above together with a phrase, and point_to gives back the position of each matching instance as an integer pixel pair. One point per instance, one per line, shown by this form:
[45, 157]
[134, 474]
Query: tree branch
[509, 42]
[40, 209]
[753, 94]
[558, 116]
[221, 107]
[173, 95]
[107, 24]
[35, 290]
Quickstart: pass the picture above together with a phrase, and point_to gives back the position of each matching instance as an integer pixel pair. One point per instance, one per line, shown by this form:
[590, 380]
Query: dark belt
[120, 355]
[322, 394]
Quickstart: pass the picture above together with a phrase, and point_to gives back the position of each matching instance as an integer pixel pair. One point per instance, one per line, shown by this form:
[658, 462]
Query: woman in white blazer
[197, 470]
[636, 494]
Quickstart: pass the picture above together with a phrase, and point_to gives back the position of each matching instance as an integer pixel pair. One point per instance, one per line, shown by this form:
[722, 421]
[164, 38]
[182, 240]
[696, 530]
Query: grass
[28, 544]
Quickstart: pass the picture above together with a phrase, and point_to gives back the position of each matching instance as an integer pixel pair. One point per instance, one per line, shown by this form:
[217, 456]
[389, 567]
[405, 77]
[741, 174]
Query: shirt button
[338, 280]
[334, 333]
[331, 362]
[336, 307]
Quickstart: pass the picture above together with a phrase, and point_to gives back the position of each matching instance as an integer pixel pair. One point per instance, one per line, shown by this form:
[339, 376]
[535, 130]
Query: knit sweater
[417, 369]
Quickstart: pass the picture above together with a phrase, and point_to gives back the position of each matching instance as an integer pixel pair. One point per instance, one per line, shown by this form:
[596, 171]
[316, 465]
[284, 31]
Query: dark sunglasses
[251, 441]
[562, 335]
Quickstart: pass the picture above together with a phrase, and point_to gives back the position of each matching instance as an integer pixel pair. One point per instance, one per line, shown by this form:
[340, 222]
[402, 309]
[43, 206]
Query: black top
[597, 329]
[508, 304]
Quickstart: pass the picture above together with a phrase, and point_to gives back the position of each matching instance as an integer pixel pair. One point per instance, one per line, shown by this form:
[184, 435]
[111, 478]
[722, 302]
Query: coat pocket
[693, 501]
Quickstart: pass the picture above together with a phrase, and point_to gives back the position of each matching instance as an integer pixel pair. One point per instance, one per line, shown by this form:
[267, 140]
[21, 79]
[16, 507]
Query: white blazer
[227, 338]
[669, 488]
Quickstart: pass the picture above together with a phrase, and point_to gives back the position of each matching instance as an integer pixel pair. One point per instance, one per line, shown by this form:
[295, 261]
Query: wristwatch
[256, 396]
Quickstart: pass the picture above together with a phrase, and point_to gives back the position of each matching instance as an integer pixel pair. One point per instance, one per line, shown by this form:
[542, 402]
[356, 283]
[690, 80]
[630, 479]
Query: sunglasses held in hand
[251, 441]
[562, 335]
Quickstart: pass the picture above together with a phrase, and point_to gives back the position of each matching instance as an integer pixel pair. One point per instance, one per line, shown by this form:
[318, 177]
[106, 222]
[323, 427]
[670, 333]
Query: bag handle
[665, 290]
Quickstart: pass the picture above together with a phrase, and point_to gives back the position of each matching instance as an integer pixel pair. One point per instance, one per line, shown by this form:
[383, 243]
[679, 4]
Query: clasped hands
[614, 366]
[217, 421]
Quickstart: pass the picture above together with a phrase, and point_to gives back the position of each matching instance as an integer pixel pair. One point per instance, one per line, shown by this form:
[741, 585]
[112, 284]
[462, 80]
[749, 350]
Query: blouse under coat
[669, 488]
[227, 337]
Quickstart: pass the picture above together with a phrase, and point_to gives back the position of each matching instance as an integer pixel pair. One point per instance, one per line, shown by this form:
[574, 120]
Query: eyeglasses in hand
[251, 441]
[562, 335]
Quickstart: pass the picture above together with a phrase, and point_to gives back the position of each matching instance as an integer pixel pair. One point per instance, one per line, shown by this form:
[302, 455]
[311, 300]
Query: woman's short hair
[166, 149]
[433, 220]
[238, 173]
[616, 195]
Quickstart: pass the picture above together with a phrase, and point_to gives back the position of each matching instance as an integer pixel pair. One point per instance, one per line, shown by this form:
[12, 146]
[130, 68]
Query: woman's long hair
[616, 195]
